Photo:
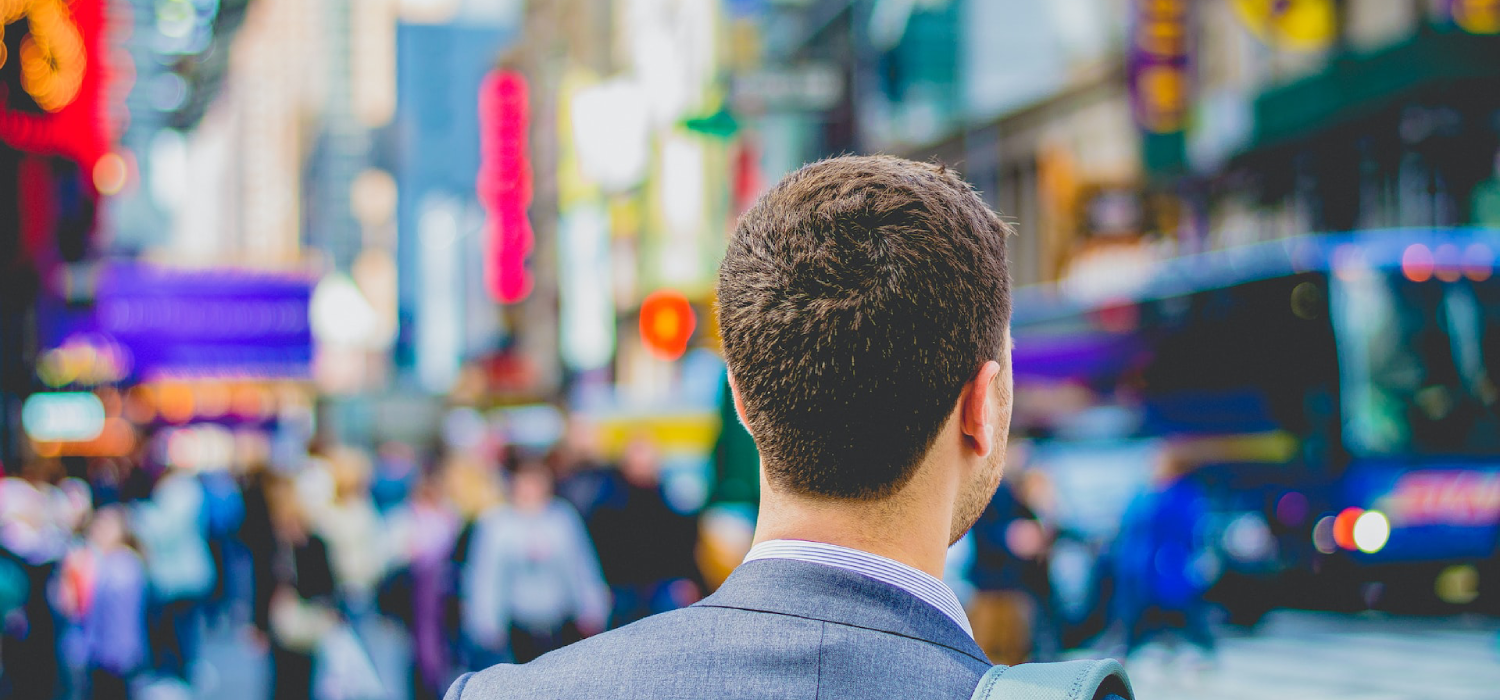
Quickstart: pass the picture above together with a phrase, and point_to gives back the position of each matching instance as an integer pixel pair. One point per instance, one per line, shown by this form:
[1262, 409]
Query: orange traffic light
[667, 322]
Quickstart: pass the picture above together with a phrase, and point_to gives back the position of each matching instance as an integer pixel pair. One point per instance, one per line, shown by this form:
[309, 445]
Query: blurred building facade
[1117, 132]
[509, 202]
[59, 122]
[196, 177]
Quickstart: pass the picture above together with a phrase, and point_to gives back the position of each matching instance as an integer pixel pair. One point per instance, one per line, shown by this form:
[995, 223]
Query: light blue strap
[1066, 680]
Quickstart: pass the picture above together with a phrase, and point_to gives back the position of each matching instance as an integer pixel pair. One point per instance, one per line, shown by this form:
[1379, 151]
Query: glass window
[1417, 364]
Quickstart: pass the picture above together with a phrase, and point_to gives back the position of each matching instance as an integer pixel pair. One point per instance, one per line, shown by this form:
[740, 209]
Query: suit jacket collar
[818, 592]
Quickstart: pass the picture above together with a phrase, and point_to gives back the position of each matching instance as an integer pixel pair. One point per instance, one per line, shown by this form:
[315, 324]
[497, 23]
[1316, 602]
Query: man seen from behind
[864, 306]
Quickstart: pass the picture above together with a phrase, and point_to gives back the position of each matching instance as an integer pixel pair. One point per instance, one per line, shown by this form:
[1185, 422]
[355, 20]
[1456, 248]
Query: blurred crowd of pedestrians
[110, 576]
[1147, 583]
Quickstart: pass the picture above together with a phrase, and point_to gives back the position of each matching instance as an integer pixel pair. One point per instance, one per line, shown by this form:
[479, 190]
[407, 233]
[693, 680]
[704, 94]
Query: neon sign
[60, 71]
[504, 184]
[1158, 65]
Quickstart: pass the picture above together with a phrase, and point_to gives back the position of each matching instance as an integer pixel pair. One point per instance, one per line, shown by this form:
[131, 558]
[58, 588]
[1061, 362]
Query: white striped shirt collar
[926, 587]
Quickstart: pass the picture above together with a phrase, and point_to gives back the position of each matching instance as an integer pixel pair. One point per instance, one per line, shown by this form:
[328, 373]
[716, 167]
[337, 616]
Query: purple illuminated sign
[195, 323]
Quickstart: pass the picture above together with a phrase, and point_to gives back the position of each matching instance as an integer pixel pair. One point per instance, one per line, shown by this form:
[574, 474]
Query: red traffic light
[667, 322]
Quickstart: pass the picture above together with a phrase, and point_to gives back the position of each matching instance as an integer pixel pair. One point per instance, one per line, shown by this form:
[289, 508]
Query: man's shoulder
[710, 652]
[619, 658]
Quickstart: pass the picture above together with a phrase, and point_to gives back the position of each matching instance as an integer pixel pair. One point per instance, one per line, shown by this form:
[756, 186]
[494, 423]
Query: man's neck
[901, 528]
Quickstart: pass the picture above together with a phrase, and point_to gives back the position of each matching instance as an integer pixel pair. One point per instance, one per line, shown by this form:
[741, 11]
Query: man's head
[863, 302]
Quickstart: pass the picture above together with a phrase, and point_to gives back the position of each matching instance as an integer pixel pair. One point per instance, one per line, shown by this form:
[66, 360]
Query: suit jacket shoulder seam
[460, 685]
[818, 686]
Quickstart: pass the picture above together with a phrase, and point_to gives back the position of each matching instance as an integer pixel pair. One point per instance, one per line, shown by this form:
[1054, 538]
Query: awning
[1354, 86]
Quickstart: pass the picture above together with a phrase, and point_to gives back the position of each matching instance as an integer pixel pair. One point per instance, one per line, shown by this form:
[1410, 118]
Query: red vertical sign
[504, 184]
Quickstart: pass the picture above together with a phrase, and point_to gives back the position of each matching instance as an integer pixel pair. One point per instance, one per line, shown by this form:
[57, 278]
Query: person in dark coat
[31, 548]
[258, 537]
[303, 605]
[1009, 574]
[646, 548]
[582, 478]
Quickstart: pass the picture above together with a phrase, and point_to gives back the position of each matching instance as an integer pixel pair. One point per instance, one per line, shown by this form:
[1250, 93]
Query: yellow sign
[1300, 25]
[684, 433]
[1477, 16]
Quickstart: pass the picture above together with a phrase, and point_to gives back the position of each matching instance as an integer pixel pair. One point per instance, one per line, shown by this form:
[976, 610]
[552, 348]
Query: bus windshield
[1250, 358]
[1417, 363]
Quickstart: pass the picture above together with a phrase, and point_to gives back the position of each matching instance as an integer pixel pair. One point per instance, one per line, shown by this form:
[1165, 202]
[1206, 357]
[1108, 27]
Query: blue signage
[175, 323]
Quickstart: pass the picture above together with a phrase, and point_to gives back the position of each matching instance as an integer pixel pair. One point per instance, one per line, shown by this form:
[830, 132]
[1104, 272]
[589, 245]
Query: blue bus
[1337, 396]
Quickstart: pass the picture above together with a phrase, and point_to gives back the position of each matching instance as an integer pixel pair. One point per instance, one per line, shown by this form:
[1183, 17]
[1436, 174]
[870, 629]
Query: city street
[1295, 655]
[444, 331]
[1322, 656]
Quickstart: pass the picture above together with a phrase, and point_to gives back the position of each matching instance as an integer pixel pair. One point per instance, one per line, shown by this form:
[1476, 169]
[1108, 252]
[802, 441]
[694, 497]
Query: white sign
[811, 87]
[586, 294]
[72, 416]
[611, 123]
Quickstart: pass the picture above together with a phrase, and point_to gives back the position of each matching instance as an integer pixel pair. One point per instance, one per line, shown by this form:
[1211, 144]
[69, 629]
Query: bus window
[1249, 358]
[1417, 361]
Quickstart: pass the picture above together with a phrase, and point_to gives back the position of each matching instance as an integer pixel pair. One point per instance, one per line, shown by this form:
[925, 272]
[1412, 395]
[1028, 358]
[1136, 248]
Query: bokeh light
[52, 55]
[1417, 263]
[1479, 262]
[1457, 584]
[1322, 535]
[1371, 531]
[1343, 527]
[110, 174]
[1291, 509]
[1448, 266]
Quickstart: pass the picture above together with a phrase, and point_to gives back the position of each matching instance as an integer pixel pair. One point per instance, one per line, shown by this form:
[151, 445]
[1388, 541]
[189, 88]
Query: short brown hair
[856, 299]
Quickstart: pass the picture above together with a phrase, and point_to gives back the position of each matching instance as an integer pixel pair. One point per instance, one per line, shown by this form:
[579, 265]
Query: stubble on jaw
[972, 502]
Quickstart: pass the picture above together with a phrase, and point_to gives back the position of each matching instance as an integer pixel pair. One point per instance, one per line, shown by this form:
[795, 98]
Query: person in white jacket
[532, 583]
[173, 535]
[357, 542]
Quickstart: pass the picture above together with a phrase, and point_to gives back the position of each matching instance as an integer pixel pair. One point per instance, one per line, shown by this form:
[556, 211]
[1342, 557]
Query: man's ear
[739, 404]
[977, 415]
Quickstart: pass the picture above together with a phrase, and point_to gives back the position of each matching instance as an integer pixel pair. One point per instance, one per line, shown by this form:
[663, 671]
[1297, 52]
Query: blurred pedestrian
[1009, 576]
[472, 489]
[31, 548]
[1163, 563]
[172, 531]
[303, 605]
[353, 530]
[258, 537]
[533, 582]
[582, 476]
[646, 548]
[397, 472]
[224, 511]
[103, 590]
[424, 531]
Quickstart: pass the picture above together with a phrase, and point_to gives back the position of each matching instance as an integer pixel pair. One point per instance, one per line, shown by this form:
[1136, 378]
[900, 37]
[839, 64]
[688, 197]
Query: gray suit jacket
[776, 629]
